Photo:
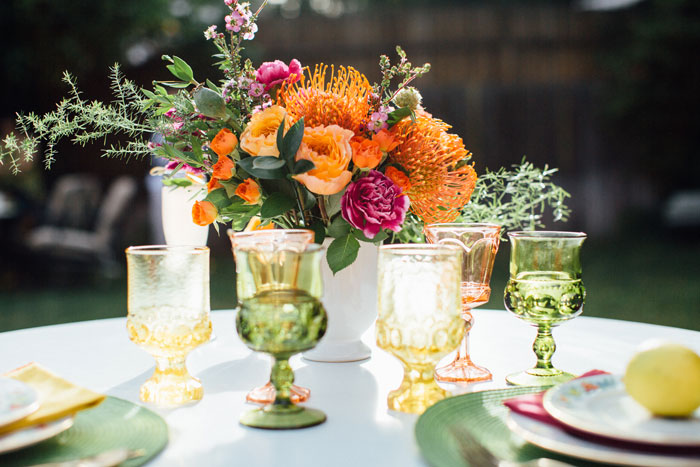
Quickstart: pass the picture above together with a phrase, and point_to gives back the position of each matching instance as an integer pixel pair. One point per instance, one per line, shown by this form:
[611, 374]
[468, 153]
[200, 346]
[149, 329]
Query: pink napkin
[530, 405]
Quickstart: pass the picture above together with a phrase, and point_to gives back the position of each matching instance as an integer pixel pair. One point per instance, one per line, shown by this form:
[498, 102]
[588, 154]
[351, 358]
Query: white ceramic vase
[350, 299]
[178, 227]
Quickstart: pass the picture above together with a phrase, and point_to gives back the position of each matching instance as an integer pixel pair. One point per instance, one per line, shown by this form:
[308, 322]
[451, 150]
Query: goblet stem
[282, 378]
[462, 369]
[171, 384]
[544, 347]
[418, 390]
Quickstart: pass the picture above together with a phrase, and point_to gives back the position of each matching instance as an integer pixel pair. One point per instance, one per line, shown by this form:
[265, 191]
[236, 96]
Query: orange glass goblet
[250, 282]
[480, 245]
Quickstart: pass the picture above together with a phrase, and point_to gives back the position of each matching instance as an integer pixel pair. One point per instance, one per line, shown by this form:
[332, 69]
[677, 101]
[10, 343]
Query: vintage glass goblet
[283, 319]
[248, 282]
[545, 289]
[168, 315]
[419, 322]
[479, 243]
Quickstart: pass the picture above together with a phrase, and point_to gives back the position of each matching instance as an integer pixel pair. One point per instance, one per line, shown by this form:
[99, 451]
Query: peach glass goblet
[480, 244]
[249, 282]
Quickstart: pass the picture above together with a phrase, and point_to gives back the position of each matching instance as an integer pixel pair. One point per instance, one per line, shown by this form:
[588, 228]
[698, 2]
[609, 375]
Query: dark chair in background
[81, 226]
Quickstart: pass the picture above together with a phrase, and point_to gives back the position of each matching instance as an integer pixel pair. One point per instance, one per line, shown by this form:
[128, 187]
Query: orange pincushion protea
[342, 101]
[430, 156]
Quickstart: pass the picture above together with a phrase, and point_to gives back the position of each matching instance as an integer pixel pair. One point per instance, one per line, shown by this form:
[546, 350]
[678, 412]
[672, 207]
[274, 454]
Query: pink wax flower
[373, 203]
[273, 73]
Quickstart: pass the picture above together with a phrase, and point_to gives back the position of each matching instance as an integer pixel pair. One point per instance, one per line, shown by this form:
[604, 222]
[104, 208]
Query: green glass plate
[484, 416]
[115, 423]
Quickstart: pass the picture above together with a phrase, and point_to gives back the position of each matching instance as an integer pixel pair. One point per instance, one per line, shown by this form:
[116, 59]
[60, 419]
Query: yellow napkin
[58, 398]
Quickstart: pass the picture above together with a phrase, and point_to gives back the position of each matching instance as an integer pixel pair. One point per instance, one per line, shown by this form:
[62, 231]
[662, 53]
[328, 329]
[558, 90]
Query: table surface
[360, 430]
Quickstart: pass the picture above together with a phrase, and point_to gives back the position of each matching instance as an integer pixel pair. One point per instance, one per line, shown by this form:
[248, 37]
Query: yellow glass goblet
[254, 276]
[419, 307]
[168, 303]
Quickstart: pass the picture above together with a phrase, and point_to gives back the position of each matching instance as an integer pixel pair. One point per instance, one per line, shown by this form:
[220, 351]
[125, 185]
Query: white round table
[360, 430]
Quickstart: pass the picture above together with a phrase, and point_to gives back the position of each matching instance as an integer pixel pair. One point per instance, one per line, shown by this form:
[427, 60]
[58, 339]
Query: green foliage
[516, 198]
[404, 71]
[342, 252]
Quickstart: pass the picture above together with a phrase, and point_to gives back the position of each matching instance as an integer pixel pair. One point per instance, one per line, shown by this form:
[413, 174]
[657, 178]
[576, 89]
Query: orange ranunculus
[223, 168]
[224, 142]
[399, 178]
[213, 184]
[249, 190]
[328, 147]
[387, 142]
[260, 136]
[366, 154]
[255, 223]
[204, 213]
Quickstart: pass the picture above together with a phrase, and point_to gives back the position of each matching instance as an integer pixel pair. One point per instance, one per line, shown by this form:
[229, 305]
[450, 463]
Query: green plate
[115, 423]
[484, 415]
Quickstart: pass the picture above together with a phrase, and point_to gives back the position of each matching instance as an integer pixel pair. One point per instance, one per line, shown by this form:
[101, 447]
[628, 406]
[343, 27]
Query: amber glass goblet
[168, 303]
[479, 243]
[544, 290]
[419, 320]
[282, 319]
[249, 281]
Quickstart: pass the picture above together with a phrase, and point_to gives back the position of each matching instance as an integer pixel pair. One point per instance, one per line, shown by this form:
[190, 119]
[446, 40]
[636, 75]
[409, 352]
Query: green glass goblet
[283, 322]
[545, 289]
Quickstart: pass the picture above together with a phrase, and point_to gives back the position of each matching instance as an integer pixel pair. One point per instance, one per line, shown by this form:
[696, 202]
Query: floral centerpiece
[291, 146]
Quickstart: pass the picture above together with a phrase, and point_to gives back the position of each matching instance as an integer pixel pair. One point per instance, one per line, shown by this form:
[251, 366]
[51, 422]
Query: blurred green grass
[649, 278]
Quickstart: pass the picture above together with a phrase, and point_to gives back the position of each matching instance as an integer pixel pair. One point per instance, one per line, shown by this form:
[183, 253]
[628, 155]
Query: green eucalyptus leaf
[333, 204]
[218, 198]
[280, 139]
[319, 231]
[268, 162]
[339, 227]
[175, 84]
[181, 69]
[210, 103]
[302, 166]
[380, 237]
[292, 141]
[342, 252]
[275, 205]
[247, 164]
[399, 114]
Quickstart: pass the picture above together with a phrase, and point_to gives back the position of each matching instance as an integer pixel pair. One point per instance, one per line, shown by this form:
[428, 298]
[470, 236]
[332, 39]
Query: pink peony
[373, 203]
[273, 73]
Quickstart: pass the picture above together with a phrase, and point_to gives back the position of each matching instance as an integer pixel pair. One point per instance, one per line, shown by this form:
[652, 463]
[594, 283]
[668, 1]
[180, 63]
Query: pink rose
[373, 203]
[273, 73]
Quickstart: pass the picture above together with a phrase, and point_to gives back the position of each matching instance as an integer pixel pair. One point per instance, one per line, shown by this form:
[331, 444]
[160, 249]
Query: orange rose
[366, 154]
[249, 191]
[224, 142]
[260, 136]
[328, 147]
[223, 168]
[204, 213]
[387, 142]
[398, 177]
[213, 184]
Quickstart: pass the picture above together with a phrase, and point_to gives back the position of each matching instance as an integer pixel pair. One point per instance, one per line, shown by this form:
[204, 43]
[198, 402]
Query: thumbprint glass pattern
[479, 243]
[249, 281]
[419, 322]
[544, 290]
[168, 316]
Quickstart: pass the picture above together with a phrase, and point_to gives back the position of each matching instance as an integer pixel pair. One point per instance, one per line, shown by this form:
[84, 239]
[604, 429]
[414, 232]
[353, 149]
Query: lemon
[665, 378]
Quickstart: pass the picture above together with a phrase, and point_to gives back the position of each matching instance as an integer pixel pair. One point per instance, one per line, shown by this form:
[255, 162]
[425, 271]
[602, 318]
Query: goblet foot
[462, 370]
[266, 394]
[277, 417]
[539, 377]
[415, 397]
[168, 389]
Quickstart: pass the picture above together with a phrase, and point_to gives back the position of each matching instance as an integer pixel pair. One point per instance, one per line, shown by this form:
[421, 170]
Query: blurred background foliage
[606, 90]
